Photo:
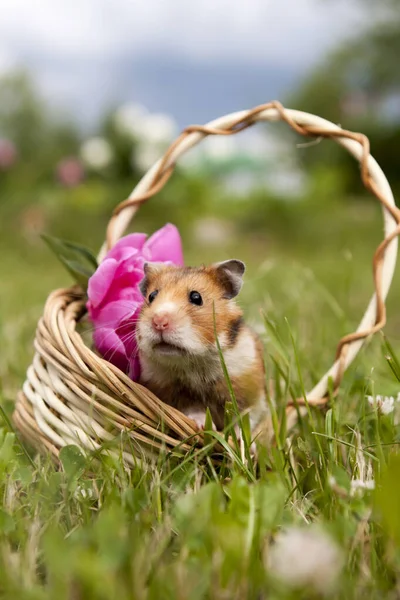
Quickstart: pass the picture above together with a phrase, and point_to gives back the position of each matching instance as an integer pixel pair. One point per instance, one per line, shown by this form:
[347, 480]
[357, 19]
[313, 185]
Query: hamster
[178, 351]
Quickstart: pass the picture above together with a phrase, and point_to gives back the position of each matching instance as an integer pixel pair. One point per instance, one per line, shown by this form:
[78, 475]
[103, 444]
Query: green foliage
[388, 498]
[78, 260]
[72, 460]
[188, 530]
[41, 137]
[94, 530]
[357, 85]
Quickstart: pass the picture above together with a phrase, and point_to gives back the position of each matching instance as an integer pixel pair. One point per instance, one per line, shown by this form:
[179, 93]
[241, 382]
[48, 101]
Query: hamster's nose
[161, 322]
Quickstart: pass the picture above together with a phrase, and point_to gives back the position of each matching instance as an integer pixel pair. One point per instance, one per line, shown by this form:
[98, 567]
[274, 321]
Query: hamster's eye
[195, 298]
[152, 296]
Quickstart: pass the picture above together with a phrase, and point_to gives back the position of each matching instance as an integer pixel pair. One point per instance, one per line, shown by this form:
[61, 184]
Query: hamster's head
[177, 317]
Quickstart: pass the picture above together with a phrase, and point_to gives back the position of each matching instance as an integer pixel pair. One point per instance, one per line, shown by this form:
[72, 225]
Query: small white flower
[210, 230]
[357, 485]
[97, 153]
[332, 481]
[128, 119]
[145, 156]
[306, 557]
[385, 404]
[193, 160]
[158, 129]
[82, 492]
[135, 120]
[222, 148]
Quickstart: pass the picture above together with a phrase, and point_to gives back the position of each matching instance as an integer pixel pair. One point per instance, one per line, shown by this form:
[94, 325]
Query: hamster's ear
[230, 274]
[150, 269]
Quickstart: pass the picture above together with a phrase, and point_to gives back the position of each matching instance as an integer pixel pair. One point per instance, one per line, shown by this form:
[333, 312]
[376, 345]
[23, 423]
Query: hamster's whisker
[110, 324]
[111, 356]
[125, 338]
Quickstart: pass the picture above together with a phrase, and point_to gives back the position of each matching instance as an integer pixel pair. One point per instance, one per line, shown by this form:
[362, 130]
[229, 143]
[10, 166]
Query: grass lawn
[319, 515]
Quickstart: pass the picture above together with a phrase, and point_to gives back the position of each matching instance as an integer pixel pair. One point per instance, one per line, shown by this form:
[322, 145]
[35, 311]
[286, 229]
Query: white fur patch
[185, 335]
[166, 308]
[240, 359]
[198, 415]
[147, 336]
[223, 340]
[196, 368]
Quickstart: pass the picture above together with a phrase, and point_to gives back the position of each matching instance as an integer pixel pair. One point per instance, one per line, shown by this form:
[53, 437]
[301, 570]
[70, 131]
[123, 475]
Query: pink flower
[70, 172]
[114, 296]
[8, 154]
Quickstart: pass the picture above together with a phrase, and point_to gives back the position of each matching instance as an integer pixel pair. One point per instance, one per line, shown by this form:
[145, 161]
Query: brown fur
[175, 284]
[174, 386]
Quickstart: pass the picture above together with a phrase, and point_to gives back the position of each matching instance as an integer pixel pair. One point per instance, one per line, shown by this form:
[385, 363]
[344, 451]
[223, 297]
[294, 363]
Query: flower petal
[114, 298]
[100, 281]
[130, 297]
[114, 312]
[111, 347]
[133, 240]
[131, 270]
[127, 253]
[126, 330]
[134, 368]
[165, 245]
[127, 333]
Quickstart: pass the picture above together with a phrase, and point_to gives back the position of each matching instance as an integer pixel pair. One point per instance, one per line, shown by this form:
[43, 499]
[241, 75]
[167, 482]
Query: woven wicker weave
[71, 396]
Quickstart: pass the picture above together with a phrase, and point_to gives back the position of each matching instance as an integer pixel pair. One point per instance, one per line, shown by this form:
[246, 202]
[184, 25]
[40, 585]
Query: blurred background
[92, 93]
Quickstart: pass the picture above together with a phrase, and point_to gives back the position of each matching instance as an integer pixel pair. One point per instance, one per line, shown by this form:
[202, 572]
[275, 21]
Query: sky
[194, 59]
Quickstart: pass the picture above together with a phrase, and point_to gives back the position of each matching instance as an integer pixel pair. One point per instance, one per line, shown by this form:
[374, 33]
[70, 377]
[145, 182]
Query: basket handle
[305, 124]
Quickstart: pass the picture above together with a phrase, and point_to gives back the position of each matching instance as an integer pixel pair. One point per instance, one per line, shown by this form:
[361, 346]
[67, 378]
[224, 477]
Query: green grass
[189, 530]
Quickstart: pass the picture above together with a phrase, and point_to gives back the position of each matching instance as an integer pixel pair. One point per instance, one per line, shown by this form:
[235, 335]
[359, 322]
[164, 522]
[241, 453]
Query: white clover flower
[144, 156]
[385, 404]
[306, 557]
[8, 154]
[97, 153]
[82, 492]
[150, 128]
[221, 148]
[358, 485]
[193, 160]
[332, 481]
[128, 119]
[158, 129]
[210, 230]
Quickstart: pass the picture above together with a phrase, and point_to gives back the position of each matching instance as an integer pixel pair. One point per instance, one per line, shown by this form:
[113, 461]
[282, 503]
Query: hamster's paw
[199, 417]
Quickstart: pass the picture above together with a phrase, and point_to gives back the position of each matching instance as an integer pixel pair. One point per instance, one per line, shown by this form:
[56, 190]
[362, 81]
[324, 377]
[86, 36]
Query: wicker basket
[71, 396]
